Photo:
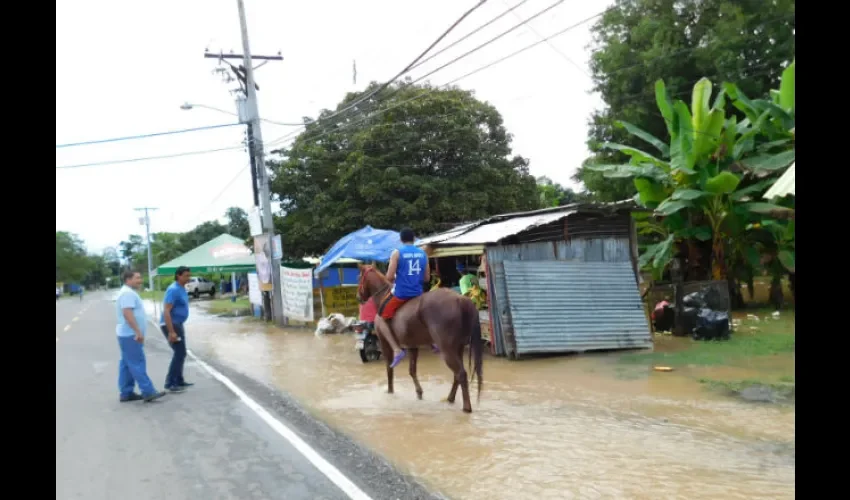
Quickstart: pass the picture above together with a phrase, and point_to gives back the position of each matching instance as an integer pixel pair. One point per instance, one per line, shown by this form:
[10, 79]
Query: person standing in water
[408, 270]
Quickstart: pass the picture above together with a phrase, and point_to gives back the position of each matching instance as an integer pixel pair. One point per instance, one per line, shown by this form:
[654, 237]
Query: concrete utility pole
[148, 243]
[255, 144]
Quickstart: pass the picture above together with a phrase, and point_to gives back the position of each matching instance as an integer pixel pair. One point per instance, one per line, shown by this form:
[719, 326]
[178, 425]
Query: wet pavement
[560, 427]
[205, 443]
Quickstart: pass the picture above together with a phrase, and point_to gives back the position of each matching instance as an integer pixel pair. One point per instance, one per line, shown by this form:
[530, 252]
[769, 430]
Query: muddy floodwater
[561, 427]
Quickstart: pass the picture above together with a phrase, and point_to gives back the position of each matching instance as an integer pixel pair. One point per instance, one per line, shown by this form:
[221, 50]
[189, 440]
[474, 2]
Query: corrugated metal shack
[559, 280]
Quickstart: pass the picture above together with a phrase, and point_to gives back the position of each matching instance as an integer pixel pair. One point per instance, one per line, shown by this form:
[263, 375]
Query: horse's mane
[376, 271]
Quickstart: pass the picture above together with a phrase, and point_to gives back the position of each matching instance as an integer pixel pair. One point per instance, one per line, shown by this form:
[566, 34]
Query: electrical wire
[476, 30]
[409, 66]
[294, 134]
[148, 158]
[445, 85]
[227, 186]
[145, 136]
[549, 43]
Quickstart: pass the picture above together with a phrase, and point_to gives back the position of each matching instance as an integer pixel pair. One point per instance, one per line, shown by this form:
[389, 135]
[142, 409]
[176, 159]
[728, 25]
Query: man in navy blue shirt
[175, 312]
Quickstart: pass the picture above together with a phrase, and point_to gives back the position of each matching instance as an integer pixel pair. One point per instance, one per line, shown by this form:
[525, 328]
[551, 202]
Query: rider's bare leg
[389, 335]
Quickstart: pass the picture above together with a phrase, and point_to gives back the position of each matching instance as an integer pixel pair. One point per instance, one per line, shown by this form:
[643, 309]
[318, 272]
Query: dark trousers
[174, 377]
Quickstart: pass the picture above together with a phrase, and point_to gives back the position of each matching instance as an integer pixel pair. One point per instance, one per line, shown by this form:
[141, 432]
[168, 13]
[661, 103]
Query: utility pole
[148, 240]
[255, 144]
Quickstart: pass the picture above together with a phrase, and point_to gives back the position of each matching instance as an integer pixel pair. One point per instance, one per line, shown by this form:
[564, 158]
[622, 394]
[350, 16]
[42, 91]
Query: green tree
[131, 248]
[704, 180]
[680, 41]
[237, 223]
[72, 261]
[432, 157]
[553, 194]
[201, 234]
[166, 246]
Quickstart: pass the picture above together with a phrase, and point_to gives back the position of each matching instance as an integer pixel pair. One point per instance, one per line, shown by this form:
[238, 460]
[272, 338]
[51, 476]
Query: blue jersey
[410, 273]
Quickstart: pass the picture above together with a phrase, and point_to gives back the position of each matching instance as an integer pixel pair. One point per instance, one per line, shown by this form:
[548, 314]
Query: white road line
[67, 327]
[76, 318]
[325, 467]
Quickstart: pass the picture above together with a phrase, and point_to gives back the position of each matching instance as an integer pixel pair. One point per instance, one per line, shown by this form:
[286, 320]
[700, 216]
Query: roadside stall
[559, 280]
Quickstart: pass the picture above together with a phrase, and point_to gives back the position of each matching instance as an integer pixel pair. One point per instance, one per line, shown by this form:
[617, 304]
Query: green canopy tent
[224, 253]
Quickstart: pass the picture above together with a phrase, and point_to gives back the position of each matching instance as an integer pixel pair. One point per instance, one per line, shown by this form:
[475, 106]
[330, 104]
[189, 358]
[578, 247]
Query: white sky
[124, 68]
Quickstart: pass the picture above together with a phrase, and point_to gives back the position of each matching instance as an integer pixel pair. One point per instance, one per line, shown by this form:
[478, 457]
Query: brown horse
[441, 317]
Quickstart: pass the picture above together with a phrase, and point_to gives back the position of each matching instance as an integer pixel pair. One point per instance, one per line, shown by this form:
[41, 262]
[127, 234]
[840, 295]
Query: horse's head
[370, 282]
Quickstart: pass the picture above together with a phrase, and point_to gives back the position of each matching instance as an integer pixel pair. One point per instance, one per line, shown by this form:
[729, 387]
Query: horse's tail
[472, 322]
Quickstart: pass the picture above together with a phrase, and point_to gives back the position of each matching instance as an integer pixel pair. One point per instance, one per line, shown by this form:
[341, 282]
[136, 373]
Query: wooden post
[678, 296]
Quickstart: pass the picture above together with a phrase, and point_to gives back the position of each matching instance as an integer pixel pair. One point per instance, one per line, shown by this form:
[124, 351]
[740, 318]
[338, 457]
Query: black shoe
[185, 384]
[174, 388]
[132, 397]
[154, 396]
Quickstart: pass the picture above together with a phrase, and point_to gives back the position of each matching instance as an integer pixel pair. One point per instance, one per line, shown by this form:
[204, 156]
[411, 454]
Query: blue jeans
[132, 369]
[174, 377]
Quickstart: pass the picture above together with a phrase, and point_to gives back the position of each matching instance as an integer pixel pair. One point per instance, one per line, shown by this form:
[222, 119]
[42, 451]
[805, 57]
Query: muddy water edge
[562, 427]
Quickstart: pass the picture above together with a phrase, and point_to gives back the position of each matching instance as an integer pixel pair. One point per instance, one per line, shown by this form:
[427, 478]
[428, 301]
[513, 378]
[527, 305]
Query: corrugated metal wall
[574, 306]
[578, 250]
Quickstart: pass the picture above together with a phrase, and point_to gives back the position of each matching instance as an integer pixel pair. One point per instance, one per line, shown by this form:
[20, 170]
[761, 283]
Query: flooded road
[563, 427]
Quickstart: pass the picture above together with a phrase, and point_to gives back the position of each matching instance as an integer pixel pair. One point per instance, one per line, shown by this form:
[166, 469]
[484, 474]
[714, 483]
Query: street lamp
[186, 106]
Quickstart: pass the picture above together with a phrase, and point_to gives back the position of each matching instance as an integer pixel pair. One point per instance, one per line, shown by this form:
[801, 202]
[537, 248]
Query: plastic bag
[711, 325]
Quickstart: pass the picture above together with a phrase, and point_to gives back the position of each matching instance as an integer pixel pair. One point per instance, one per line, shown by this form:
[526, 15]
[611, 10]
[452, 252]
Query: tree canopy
[680, 41]
[430, 157]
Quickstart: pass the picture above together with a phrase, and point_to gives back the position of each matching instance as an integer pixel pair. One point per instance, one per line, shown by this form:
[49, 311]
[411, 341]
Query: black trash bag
[694, 300]
[711, 325]
[708, 297]
[689, 320]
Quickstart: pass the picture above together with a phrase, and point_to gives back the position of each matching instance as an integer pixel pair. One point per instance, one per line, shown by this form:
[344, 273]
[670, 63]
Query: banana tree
[693, 180]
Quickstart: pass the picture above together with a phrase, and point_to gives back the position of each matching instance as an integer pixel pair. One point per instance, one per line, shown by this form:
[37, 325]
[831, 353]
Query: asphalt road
[205, 443]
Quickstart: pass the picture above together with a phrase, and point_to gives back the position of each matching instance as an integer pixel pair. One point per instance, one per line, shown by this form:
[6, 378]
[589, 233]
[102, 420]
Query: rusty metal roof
[499, 227]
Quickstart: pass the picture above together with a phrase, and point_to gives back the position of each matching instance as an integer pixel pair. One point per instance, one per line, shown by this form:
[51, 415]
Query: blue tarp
[350, 276]
[367, 244]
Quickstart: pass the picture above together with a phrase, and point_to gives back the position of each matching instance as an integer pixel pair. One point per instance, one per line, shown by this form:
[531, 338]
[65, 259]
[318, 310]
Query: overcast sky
[124, 68]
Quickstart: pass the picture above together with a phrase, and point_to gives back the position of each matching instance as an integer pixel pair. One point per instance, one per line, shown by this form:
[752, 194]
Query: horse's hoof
[449, 401]
[419, 395]
[467, 410]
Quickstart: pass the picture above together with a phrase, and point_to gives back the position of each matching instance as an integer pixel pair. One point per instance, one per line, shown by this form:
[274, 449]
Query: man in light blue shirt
[175, 312]
[132, 323]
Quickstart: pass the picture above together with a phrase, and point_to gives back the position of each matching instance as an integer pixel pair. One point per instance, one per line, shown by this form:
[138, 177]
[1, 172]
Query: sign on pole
[297, 293]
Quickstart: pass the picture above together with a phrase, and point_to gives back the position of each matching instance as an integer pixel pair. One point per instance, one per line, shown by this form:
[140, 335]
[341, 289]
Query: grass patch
[156, 295]
[783, 390]
[752, 338]
[225, 306]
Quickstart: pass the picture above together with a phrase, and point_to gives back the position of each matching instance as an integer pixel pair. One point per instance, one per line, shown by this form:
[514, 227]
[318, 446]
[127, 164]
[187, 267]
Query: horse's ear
[360, 266]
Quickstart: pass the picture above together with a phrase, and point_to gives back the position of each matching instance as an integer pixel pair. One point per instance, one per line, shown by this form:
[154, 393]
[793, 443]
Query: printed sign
[254, 223]
[277, 247]
[297, 293]
[255, 296]
[341, 299]
[263, 258]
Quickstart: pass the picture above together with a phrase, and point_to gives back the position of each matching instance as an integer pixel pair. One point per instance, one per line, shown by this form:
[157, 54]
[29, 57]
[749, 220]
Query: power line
[328, 130]
[407, 68]
[145, 136]
[431, 91]
[488, 42]
[476, 30]
[549, 43]
[148, 158]
[227, 186]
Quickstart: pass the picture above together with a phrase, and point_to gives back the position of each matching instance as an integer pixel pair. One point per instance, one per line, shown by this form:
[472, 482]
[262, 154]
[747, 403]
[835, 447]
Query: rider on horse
[408, 271]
